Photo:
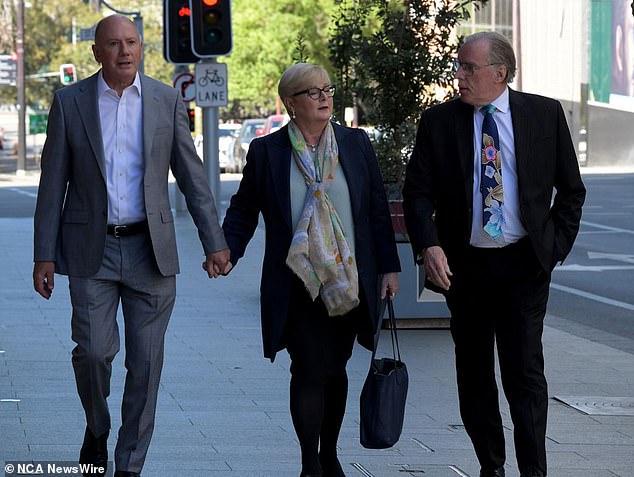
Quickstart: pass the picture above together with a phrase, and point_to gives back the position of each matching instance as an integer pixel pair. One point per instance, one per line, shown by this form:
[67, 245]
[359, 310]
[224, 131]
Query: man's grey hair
[500, 50]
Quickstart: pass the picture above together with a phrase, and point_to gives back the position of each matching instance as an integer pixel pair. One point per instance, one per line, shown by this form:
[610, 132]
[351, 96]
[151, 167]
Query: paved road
[593, 293]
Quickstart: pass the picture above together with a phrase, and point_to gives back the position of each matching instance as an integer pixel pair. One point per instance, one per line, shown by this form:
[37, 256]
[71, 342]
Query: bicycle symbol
[211, 77]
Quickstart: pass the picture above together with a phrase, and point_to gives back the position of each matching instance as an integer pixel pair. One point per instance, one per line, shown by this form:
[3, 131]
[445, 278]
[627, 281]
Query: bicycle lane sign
[211, 85]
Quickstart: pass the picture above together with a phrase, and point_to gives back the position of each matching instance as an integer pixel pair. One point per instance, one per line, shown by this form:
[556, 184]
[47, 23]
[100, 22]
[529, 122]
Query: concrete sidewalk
[223, 408]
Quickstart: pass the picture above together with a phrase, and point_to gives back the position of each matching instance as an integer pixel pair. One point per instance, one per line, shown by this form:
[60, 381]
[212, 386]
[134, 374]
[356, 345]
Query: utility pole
[21, 88]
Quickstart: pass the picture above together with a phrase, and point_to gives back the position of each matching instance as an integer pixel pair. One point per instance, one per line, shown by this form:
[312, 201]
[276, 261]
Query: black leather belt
[128, 229]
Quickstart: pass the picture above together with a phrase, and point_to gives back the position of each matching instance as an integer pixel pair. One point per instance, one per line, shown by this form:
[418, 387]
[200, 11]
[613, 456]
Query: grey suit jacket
[72, 204]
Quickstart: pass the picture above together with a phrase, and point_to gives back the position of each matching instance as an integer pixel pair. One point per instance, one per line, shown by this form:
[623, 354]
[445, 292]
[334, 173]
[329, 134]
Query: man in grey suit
[103, 218]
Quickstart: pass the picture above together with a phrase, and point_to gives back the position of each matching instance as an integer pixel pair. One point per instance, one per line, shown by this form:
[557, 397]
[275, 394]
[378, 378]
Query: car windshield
[250, 130]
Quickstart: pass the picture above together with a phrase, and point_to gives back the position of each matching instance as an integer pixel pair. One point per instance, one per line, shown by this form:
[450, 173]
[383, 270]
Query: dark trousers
[319, 347]
[498, 297]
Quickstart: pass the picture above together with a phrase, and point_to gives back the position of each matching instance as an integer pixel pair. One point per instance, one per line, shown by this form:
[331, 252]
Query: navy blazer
[438, 191]
[265, 188]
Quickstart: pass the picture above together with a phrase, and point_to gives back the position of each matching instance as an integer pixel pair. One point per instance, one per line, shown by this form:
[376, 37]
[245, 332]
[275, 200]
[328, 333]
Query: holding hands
[217, 263]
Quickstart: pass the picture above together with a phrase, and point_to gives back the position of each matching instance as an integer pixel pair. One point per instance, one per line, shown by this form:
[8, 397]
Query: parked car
[251, 128]
[227, 134]
[274, 122]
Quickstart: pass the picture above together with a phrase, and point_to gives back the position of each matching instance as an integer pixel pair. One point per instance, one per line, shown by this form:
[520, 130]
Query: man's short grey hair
[500, 50]
[300, 76]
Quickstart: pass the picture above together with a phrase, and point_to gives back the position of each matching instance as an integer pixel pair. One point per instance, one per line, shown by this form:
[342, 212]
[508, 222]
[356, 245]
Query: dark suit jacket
[72, 201]
[265, 188]
[438, 191]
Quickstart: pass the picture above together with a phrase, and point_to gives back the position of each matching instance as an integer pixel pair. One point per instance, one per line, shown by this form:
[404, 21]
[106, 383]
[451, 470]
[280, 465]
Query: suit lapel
[87, 102]
[464, 135]
[149, 101]
[521, 133]
[349, 167]
[279, 157]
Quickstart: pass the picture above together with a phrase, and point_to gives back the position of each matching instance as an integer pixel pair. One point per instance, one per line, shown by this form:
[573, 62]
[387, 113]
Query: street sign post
[8, 69]
[37, 123]
[211, 85]
[185, 83]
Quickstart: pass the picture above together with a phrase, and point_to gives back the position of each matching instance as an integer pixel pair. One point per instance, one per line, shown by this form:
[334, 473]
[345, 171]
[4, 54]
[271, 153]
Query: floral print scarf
[319, 253]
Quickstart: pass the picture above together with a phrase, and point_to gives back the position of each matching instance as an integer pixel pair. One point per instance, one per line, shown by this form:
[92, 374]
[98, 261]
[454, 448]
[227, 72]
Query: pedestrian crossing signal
[67, 74]
[191, 112]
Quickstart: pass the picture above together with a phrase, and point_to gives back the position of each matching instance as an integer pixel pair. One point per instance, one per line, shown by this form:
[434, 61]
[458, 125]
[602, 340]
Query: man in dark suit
[479, 209]
[103, 218]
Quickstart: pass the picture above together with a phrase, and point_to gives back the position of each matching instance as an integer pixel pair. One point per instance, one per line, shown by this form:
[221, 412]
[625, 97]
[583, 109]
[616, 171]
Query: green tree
[393, 59]
[264, 44]
[49, 29]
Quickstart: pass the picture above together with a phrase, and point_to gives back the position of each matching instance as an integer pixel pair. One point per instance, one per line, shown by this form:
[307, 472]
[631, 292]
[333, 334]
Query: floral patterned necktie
[491, 175]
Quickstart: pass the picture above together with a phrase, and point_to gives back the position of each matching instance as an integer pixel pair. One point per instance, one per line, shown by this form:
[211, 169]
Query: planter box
[414, 306]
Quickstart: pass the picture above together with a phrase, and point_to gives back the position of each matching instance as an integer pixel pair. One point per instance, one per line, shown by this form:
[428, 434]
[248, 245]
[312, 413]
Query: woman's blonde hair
[300, 76]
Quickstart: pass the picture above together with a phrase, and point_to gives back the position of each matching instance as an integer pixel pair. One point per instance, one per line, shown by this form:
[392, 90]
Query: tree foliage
[393, 59]
[265, 43]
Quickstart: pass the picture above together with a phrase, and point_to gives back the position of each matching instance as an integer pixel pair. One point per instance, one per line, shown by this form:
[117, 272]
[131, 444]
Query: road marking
[592, 296]
[617, 257]
[23, 192]
[592, 268]
[606, 227]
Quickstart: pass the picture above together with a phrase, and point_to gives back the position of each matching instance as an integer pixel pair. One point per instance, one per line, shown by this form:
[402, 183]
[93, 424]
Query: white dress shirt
[122, 134]
[512, 227]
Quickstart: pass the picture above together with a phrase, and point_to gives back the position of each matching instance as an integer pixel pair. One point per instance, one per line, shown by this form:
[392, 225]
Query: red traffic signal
[211, 27]
[177, 47]
[191, 112]
[67, 74]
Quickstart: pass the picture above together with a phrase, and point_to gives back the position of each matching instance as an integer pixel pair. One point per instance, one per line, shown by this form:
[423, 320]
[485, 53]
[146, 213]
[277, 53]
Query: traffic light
[191, 112]
[211, 27]
[176, 33]
[67, 73]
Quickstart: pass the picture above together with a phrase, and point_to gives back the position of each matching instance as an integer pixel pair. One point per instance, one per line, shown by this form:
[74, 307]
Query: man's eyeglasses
[315, 93]
[469, 68]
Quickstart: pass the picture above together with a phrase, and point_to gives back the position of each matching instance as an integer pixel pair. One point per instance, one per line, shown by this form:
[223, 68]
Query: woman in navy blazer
[281, 169]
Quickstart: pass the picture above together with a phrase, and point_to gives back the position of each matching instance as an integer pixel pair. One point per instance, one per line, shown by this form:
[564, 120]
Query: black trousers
[319, 347]
[498, 297]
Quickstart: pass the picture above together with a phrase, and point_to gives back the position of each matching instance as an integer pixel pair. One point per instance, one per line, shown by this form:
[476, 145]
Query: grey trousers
[128, 275]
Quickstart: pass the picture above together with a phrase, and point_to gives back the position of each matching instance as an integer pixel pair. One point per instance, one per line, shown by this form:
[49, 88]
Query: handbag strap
[396, 351]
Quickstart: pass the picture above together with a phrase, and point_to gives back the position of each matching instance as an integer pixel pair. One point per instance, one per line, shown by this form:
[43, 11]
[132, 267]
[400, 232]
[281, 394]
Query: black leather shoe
[125, 473]
[94, 451]
[532, 473]
[499, 472]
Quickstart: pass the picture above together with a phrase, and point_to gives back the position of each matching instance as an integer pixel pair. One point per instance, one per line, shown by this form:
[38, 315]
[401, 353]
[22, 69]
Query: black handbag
[384, 394]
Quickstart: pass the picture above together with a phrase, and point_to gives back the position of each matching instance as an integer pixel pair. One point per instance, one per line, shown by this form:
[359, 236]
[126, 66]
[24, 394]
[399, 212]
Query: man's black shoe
[125, 473]
[499, 472]
[532, 473]
[94, 451]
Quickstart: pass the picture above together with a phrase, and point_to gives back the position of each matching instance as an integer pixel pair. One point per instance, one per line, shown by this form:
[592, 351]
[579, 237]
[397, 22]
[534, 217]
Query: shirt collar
[501, 103]
[103, 87]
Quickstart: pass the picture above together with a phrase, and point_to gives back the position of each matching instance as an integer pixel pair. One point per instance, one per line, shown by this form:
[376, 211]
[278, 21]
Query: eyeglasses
[315, 93]
[469, 68]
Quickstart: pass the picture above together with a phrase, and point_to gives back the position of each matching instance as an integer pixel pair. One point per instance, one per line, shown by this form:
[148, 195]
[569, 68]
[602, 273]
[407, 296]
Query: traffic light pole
[210, 146]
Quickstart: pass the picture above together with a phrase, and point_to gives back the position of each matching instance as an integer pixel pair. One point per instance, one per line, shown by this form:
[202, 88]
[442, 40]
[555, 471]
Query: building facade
[580, 52]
